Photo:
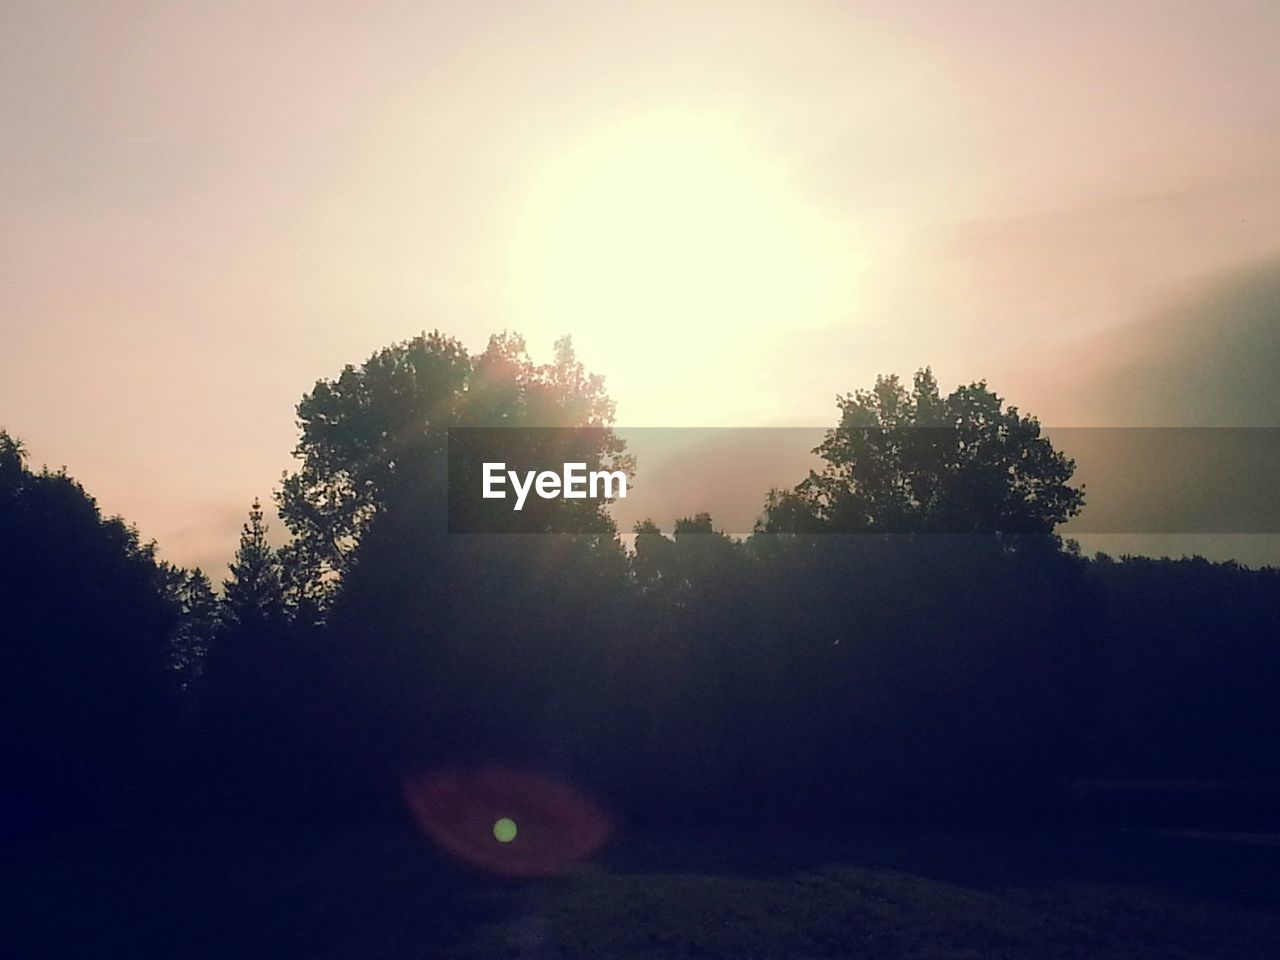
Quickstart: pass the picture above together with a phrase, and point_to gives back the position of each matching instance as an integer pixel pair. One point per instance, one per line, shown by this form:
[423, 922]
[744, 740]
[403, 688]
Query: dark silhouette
[375, 439]
[914, 461]
[88, 696]
[904, 640]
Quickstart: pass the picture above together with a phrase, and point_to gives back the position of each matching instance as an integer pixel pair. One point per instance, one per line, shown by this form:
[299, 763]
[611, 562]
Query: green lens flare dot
[504, 830]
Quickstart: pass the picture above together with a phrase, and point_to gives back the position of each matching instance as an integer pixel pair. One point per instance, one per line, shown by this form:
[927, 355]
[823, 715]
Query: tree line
[905, 633]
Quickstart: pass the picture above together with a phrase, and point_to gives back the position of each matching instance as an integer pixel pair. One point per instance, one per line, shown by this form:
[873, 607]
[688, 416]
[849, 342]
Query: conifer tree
[253, 598]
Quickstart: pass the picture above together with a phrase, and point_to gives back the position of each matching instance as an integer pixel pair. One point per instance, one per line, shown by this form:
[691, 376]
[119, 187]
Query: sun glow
[676, 255]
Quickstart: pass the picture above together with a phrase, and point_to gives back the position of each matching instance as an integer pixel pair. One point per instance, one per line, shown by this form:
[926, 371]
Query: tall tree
[196, 608]
[376, 438]
[913, 461]
[253, 599]
[361, 432]
[84, 689]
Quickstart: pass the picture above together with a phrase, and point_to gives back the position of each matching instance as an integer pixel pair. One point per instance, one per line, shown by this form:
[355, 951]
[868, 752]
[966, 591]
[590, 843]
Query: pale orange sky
[207, 206]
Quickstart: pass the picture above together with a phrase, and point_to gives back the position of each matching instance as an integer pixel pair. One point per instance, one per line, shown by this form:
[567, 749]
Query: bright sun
[671, 250]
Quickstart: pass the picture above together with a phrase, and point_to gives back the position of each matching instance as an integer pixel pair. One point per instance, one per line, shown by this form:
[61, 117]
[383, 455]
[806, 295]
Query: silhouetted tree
[252, 597]
[256, 713]
[426, 622]
[905, 661]
[914, 461]
[197, 614]
[375, 438]
[85, 688]
[13, 461]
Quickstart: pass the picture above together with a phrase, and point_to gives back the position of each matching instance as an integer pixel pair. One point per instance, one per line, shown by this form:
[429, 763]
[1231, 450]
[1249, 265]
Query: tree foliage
[375, 438]
[197, 613]
[889, 654]
[913, 461]
[85, 673]
[253, 598]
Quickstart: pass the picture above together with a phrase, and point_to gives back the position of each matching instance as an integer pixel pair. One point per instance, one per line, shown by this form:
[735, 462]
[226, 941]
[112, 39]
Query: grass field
[239, 892]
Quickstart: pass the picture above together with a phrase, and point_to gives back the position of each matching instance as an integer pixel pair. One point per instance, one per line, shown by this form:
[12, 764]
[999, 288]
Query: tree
[375, 439]
[196, 611]
[361, 432]
[696, 558]
[13, 459]
[252, 743]
[913, 461]
[84, 684]
[253, 600]
[424, 626]
[685, 697]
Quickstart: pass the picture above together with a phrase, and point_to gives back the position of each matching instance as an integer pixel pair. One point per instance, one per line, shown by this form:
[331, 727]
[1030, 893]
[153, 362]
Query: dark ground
[379, 892]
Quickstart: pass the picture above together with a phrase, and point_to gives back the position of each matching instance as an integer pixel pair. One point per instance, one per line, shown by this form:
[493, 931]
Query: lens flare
[473, 812]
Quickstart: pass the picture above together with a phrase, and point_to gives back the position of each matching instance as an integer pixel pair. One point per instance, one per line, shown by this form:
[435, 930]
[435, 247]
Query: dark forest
[905, 642]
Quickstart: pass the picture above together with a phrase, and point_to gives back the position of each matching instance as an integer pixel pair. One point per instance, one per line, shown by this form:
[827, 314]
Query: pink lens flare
[542, 824]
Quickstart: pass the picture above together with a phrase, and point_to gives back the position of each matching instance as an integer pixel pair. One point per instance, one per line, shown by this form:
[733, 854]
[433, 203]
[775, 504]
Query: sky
[738, 211]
